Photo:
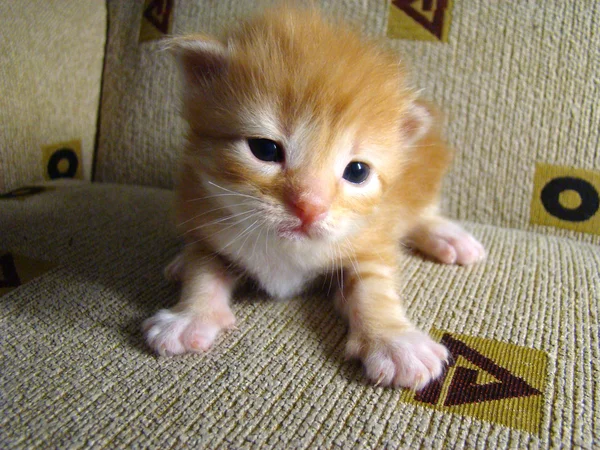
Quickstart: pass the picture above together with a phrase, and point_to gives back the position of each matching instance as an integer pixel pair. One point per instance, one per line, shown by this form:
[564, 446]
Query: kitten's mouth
[294, 232]
[298, 232]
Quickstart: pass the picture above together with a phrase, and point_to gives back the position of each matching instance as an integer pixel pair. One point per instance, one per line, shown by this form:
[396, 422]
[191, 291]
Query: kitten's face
[298, 124]
[302, 185]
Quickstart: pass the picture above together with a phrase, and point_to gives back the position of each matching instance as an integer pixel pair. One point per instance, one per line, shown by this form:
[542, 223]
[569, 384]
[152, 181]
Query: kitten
[307, 152]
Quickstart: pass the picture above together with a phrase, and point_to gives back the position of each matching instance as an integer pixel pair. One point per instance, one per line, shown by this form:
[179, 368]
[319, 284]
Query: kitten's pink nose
[308, 209]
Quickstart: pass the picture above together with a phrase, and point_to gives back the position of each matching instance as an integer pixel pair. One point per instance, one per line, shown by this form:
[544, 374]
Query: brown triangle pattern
[435, 26]
[464, 388]
[158, 13]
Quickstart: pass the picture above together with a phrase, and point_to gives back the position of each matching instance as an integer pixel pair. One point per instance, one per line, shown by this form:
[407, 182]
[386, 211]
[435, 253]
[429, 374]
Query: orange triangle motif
[464, 388]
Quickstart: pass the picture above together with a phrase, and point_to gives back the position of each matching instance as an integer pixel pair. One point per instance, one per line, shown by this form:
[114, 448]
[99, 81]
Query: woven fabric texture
[75, 372]
[51, 59]
[518, 82]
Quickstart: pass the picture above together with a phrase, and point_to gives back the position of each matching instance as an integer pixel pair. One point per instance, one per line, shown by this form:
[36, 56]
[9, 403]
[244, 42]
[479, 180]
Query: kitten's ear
[201, 58]
[417, 121]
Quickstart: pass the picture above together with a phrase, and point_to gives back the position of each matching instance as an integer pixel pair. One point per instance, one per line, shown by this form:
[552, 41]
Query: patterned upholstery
[51, 58]
[80, 263]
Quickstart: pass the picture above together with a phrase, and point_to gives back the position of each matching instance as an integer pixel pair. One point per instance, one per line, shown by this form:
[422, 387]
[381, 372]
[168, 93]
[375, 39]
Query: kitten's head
[304, 119]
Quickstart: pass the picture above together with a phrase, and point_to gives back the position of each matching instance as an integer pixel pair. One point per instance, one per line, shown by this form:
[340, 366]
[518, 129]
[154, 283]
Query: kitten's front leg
[202, 312]
[393, 351]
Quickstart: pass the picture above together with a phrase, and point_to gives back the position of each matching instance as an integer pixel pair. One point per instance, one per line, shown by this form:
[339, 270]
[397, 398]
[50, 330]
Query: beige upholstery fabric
[518, 82]
[51, 59]
[75, 372]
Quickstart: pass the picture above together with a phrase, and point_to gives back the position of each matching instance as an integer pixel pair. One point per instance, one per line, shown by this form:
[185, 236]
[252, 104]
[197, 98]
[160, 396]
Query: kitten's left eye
[266, 150]
[356, 172]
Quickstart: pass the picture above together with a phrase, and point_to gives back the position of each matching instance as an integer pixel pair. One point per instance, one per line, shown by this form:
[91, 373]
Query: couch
[89, 144]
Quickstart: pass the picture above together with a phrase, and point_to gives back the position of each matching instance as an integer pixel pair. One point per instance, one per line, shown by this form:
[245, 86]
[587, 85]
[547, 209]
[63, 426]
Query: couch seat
[75, 372]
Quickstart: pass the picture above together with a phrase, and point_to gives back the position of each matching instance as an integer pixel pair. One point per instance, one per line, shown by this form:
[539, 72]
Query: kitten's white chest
[281, 268]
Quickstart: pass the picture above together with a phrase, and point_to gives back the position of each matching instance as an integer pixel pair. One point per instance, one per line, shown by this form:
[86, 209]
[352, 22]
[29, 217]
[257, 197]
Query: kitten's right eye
[356, 172]
[266, 150]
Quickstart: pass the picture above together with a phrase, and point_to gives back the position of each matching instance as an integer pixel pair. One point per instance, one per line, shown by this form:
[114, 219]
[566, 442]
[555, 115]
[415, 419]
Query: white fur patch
[282, 267]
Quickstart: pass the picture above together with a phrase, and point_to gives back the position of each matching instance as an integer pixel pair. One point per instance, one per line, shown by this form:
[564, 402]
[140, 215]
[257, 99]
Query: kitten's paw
[448, 243]
[410, 359]
[173, 333]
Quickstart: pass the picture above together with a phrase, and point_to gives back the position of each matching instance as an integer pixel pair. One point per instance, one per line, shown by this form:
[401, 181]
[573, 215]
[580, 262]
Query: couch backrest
[51, 59]
[518, 81]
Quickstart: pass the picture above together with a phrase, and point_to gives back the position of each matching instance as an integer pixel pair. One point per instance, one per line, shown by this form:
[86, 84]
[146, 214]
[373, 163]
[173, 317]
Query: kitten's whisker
[234, 224]
[249, 233]
[188, 244]
[326, 272]
[213, 210]
[220, 195]
[380, 257]
[341, 270]
[233, 192]
[257, 239]
[332, 271]
[217, 221]
[240, 234]
[419, 146]
[208, 237]
[267, 242]
[337, 270]
[353, 259]
[263, 224]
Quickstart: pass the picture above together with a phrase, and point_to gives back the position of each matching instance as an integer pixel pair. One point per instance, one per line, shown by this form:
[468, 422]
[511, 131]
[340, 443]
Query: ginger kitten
[307, 152]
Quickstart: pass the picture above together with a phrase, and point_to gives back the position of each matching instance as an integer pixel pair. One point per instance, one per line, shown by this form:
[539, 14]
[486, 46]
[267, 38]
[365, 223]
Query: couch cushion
[51, 59]
[522, 327]
[518, 83]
